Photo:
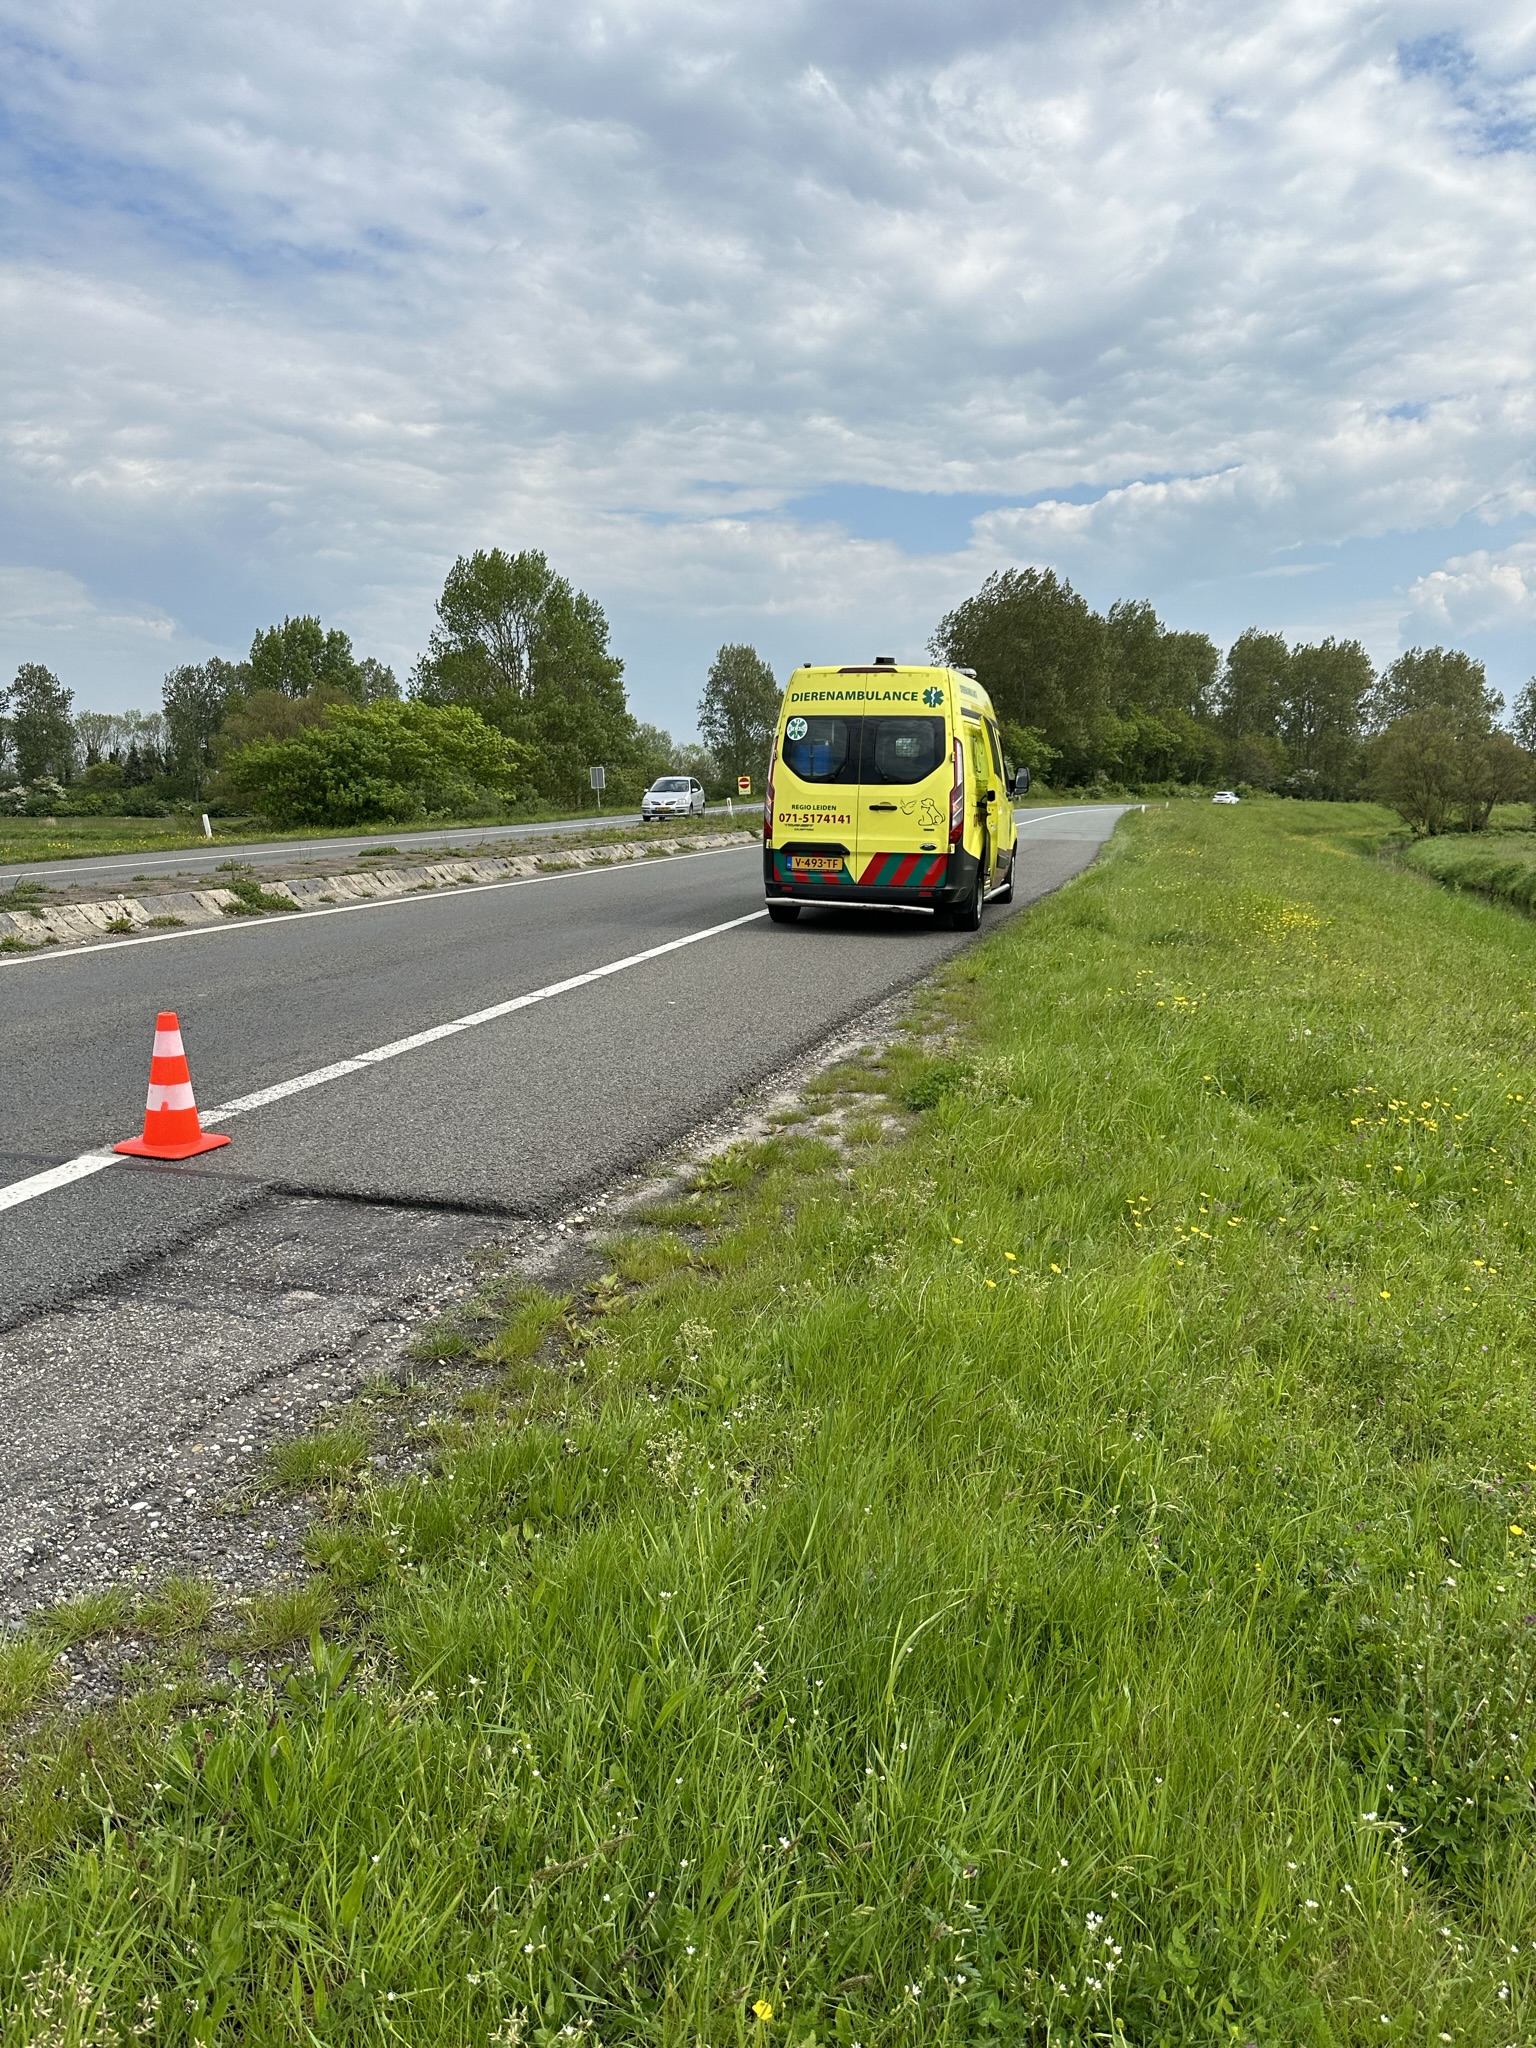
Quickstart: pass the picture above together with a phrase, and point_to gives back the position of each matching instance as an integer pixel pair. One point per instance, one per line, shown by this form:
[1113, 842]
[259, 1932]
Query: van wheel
[966, 916]
[783, 913]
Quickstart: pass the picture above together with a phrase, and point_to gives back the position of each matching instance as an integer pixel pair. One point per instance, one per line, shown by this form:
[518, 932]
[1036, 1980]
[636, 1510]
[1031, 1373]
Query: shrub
[377, 762]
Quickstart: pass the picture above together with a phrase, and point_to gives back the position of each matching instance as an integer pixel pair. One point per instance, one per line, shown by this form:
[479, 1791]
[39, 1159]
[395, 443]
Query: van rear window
[902, 749]
[869, 749]
[822, 749]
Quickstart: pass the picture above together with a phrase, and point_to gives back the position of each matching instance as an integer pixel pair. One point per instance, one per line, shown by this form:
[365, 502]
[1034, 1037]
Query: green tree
[1495, 769]
[299, 656]
[1323, 691]
[1413, 767]
[42, 729]
[384, 761]
[516, 643]
[197, 696]
[1522, 717]
[270, 715]
[1041, 653]
[692, 759]
[1436, 771]
[1434, 679]
[1250, 699]
[739, 711]
[655, 752]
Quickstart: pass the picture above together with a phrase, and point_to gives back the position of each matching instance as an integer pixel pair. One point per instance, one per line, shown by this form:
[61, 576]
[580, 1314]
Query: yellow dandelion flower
[1055, 1269]
[1515, 1529]
[991, 1283]
[1384, 1295]
[957, 1240]
[1011, 1255]
[762, 2010]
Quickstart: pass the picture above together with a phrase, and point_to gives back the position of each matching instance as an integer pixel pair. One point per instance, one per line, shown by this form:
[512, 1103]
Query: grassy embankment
[1497, 864]
[25, 840]
[1060, 1574]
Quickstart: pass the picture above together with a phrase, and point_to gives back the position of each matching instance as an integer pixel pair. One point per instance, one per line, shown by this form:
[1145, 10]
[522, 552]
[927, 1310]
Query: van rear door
[905, 775]
[815, 799]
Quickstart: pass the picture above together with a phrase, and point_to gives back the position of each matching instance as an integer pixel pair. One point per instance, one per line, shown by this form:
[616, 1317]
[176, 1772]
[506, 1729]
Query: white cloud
[1484, 589]
[302, 300]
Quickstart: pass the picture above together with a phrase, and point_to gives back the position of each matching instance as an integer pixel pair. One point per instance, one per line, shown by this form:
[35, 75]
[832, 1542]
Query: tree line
[518, 694]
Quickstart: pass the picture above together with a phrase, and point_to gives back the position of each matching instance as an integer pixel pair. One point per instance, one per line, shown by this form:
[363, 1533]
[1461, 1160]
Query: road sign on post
[743, 785]
[599, 780]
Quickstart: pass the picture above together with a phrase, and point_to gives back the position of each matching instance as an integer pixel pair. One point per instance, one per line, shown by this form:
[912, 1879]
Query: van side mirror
[1021, 782]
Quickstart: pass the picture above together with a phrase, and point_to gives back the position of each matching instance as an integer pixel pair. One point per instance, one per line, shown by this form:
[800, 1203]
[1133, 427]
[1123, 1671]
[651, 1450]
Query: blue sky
[783, 325]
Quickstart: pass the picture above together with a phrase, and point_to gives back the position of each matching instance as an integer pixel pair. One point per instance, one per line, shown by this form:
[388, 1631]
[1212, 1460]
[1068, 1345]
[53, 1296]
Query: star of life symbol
[933, 695]
[796, 729]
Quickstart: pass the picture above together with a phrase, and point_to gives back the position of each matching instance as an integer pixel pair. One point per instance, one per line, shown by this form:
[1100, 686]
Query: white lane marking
[245, 924]
[57, 1177]
[93, 1162]
[1045, 817]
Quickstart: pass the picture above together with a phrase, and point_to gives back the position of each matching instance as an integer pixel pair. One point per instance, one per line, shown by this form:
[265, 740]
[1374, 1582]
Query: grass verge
[1497, 864]
[43, 839]
[1055, 1568]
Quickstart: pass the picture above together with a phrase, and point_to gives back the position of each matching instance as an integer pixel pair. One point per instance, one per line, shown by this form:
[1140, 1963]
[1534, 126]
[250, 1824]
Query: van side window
[902, 749]
[822, 749]
[997, 752]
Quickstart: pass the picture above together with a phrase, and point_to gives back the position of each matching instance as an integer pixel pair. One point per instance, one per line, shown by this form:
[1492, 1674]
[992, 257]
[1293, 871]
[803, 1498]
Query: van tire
[966, 915]
[783, 913]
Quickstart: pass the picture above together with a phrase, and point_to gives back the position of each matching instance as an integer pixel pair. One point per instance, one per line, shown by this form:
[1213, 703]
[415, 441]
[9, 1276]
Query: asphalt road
[520, 1115]
[115, 869]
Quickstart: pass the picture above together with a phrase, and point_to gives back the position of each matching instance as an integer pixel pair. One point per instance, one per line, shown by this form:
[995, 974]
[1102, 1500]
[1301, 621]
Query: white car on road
[1226, 796]
[673, 796]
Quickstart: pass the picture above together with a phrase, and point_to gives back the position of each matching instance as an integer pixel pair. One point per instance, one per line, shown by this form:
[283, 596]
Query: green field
[1054, 1566]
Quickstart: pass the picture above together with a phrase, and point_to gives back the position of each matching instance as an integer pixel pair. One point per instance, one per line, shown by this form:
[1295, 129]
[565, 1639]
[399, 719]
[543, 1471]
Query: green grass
[1497, 864]
[36, 839]
[329, 1457]
[1062, 1576]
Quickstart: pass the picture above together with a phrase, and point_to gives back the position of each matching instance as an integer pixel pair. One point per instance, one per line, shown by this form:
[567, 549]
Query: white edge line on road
[38, 954]
[57, 1177]
[93, 1162]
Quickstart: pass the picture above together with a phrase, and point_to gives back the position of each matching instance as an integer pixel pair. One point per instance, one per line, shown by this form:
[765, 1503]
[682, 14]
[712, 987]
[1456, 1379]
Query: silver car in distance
[673, 796]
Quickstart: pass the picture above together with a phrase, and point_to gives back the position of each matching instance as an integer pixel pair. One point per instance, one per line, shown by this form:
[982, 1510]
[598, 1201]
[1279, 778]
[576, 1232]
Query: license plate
[817, 863]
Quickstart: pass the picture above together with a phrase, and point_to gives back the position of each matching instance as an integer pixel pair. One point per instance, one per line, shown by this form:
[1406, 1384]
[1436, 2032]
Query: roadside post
[207, 828]
[599, 777]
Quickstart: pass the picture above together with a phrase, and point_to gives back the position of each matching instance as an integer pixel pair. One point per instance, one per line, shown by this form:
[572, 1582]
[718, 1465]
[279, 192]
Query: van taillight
[768, 804]
[957, 799]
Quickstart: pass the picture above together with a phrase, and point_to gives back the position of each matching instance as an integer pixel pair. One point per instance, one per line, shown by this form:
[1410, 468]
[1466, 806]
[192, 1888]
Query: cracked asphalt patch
[132, 1417]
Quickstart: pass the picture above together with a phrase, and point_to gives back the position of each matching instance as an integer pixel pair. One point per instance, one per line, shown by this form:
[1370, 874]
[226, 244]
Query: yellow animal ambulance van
[887, 785]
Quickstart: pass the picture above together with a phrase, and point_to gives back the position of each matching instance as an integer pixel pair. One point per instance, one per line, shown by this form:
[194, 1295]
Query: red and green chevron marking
[884, 871]
[904, 871]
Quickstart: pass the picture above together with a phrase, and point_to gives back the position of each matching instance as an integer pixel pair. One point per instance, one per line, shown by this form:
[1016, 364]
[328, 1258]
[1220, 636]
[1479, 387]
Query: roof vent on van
[966, 672]
[885, 661]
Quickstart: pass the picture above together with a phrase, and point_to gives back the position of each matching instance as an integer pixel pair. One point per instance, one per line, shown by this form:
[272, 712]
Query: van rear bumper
[913, 881]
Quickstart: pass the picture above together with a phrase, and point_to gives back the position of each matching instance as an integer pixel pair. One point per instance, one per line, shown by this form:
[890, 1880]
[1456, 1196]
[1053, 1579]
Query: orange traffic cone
[171, 1128]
